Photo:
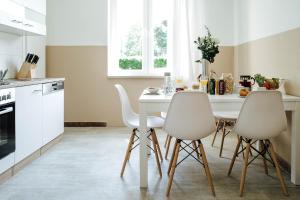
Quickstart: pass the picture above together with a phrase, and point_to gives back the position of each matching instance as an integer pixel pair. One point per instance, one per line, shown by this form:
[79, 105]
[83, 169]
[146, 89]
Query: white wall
[219, 17]
[77, 22]
[257, 19]
[11, 53]
[84, 22]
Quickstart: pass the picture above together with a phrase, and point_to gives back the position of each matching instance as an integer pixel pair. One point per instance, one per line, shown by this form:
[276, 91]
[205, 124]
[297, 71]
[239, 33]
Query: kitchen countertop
[13, 83]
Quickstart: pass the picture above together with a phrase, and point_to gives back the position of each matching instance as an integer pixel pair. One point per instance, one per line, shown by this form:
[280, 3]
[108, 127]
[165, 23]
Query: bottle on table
[212, 86]
[221, 87]
[168, 86]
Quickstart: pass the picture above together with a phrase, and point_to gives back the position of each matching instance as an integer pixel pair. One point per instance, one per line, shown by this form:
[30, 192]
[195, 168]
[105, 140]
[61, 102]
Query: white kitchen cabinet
[53, 115]
[28, 120]
[36, 5]
[11, 17]
[7, 162]
[34, 22]
[23, 16]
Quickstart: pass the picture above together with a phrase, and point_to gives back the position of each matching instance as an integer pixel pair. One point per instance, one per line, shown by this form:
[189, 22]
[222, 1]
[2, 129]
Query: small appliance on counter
[29, 64]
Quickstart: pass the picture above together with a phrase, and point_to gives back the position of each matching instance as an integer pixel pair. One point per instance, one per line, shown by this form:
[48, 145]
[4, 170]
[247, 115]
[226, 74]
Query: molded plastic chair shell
[130, 118]
[262, 116]
[190, 116]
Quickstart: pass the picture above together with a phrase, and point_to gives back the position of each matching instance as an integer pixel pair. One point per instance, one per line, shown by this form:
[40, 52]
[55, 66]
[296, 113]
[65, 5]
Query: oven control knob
[8, 96]
[3, 97]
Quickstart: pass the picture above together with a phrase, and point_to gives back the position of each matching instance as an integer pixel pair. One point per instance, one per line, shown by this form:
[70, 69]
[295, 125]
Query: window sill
[135, 76]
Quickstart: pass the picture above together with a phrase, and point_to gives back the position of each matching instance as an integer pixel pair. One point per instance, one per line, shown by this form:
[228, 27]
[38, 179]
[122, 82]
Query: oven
[7, 122]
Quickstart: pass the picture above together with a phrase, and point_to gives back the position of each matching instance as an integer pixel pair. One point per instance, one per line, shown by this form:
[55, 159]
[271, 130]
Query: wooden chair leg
[172, 158]
[166, 141]
[234, 155]
[262, 146]
[283, 186]
[207, 171]
[223, 137]
[158, 146]
[156, 153]
[196, 149]
[242, 145]
[244, 172]
[173, 166]
[133, 131]
[212, 144]
[168, 147]
[128, 152]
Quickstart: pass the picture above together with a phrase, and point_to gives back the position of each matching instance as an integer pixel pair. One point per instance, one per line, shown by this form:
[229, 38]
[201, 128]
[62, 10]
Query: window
[138, 37]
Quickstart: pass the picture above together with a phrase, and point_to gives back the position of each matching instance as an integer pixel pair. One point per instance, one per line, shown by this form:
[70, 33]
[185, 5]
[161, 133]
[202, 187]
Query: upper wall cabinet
[36, 5]
[23, 16]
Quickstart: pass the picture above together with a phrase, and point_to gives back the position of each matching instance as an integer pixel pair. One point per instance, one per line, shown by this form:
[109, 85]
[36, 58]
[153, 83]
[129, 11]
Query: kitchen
[70, 134]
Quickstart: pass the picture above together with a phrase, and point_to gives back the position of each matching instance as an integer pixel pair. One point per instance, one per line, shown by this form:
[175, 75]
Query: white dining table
[149, 104]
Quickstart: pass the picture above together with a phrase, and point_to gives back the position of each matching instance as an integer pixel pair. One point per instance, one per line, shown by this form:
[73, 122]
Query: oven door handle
[6, 110]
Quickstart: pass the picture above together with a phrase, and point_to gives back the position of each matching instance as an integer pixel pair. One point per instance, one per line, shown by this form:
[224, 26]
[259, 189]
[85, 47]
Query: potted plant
[260, 80]
[209, 46]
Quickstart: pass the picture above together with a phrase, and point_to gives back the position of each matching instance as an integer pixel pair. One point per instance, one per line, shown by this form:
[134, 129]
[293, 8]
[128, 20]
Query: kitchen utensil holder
[25, 71]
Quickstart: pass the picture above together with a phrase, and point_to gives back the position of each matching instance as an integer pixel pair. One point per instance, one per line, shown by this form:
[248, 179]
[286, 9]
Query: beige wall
[89, 95]
[274, 56]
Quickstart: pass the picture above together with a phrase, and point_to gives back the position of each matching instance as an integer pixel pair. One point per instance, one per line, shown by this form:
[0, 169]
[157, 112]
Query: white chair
[131, 120]
[189, 118]
[262, 117]
[224, 118]
[169, 140]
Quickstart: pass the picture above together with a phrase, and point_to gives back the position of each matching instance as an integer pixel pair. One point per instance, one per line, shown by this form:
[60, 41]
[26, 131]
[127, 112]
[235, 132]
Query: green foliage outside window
[132, 63]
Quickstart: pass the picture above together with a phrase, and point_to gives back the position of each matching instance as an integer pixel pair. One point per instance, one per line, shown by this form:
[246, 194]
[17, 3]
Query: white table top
[161, 98]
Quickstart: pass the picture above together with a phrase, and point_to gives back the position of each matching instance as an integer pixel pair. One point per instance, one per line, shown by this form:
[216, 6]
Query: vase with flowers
[209, 46]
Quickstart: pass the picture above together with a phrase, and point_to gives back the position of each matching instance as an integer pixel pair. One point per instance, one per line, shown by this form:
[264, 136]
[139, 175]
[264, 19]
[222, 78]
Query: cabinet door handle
[29, 25]
[36, 91]
[6, 110]
[16, 21]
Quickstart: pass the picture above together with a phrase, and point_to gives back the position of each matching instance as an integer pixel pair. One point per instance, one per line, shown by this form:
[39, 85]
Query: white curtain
[182, 50]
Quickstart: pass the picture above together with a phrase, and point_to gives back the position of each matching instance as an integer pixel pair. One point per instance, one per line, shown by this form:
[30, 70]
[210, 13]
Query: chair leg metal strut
[194, 147]
[266, 149]
[132, 144]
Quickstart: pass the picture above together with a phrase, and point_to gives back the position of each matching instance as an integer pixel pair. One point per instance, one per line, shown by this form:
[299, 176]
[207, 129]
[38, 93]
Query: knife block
[25, 71]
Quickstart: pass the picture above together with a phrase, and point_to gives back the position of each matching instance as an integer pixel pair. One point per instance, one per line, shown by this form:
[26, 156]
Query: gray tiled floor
[85, 165]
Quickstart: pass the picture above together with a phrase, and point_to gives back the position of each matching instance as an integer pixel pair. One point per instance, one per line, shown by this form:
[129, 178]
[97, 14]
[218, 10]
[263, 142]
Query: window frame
[148, 69]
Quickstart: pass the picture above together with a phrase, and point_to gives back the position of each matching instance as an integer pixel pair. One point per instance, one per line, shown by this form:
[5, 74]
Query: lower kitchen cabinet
[53, 115]
[29, 107]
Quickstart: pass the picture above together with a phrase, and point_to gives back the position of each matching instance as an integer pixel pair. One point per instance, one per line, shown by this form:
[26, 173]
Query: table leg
[143, 150]
[295, 146]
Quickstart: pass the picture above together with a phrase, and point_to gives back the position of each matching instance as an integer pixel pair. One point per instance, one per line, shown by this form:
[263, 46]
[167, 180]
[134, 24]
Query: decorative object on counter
[28, 65]
[245, 81]
[229, 82]
[2, 76]
[209, 46]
